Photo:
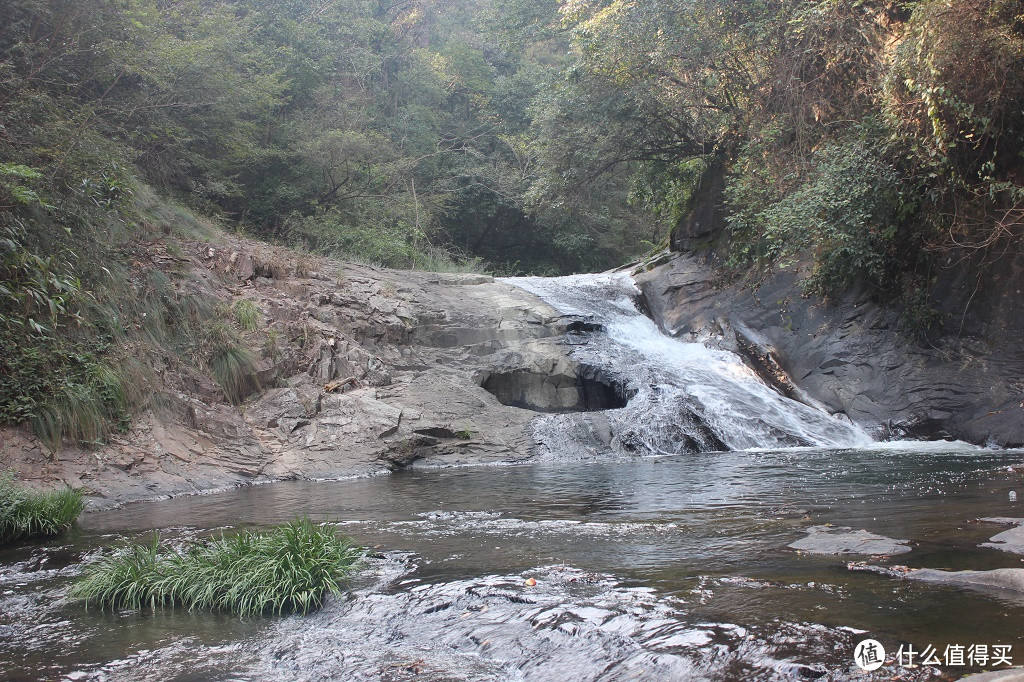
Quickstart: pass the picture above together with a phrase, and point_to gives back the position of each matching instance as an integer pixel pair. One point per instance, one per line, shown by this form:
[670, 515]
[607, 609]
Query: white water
[688, 397]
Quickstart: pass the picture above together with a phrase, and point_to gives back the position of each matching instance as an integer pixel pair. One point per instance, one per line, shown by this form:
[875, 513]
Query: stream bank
[361, 371]
[364, 371]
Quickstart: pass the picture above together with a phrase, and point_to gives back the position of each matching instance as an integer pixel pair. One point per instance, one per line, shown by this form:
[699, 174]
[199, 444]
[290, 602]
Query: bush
[25, 514]
[84, 408]
[847, 209]
[286, 569]
[63, 392]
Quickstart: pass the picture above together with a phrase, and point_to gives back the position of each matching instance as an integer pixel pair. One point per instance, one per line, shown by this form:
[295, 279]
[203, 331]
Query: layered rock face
[362, 371]
[854, 357]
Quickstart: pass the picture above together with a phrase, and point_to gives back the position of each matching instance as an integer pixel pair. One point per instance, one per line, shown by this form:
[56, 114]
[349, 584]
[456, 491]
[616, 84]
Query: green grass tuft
[85, 410]
[286, 569]
[234, 369]
[248, 315]
[25, 514]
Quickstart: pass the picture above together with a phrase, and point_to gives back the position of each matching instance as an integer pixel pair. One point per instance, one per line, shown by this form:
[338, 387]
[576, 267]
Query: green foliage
[352, 127]
[64, 393]
[375, 237]
[10, 176]
[234, 369]
[865, 138]
[248, 315]
[379, 238]
[849, 207]
[669, 190]
[524, 136]
[286, 569]
[84, 407]
[953, 90]
[36, 291]
[26, 515]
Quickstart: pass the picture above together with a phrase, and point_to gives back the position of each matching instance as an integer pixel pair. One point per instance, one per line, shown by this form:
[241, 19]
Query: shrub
[847, 209]
[25, 514]
[286, 569]
[84, 408]
[64, 392]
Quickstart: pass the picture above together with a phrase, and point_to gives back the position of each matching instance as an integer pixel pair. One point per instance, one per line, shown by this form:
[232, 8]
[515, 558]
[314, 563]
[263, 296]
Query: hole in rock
[583, 327]
[588, 390]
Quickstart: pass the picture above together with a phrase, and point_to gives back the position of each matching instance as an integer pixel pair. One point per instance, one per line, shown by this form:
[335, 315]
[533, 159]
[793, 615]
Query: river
[658, 549]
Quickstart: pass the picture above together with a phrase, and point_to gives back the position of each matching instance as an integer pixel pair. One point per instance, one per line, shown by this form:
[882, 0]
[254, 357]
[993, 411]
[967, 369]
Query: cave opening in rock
[588, 391]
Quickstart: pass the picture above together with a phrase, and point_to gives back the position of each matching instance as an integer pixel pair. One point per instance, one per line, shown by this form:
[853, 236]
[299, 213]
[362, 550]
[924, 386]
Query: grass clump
[286, 569]
[84, 410]
[248, 315]
[25, 514]
[234, 369]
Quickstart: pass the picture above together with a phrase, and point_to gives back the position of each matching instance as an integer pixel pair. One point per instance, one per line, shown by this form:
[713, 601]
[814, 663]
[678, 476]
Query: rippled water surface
[646, 568]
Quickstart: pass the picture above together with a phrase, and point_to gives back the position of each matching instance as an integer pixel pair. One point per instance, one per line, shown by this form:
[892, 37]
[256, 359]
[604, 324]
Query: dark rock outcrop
[852, 355]
[576, 389]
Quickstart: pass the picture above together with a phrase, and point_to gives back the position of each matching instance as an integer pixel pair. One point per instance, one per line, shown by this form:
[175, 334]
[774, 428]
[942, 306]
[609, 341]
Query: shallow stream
[661, 568]
[651, 560]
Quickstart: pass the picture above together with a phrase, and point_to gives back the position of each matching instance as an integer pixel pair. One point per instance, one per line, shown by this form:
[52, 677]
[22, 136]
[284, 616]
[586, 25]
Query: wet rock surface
[362, 371]
[573, 389]
[1001, 579]
[854, 356]
[842, 540]
[1011, 540]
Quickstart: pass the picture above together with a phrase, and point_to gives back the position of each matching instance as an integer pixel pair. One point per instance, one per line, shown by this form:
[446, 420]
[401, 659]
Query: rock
[1011, 675]
[851, 355]
[1011, 540]
[1003, 579]
[459, 279]
[838, 540]
[416, 345]
[541, 377]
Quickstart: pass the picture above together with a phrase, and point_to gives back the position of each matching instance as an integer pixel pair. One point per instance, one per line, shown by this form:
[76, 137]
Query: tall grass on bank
[286, 569]
[25, 514]
[234, 370]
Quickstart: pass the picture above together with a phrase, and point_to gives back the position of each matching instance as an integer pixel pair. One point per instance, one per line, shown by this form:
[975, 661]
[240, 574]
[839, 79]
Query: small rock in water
[530, 582]
[1013, 496]
[829, 539]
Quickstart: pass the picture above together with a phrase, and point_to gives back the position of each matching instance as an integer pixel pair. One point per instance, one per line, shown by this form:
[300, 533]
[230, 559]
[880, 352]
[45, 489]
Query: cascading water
[688, 397]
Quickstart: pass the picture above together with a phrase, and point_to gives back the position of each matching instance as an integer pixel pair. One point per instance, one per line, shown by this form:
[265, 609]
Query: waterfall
[687, 397]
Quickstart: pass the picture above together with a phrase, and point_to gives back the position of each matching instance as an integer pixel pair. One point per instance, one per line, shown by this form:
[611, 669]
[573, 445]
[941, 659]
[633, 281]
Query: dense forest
[875, 141]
